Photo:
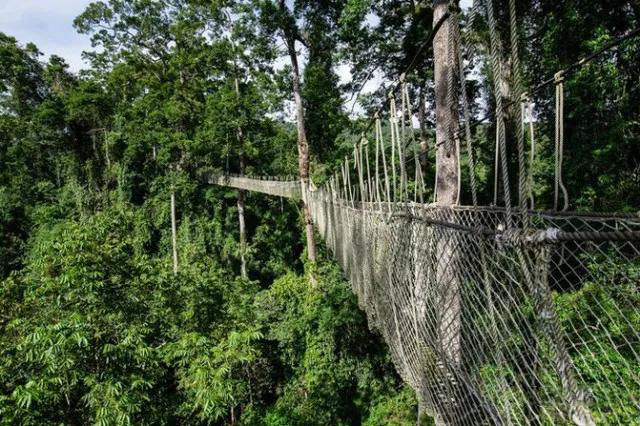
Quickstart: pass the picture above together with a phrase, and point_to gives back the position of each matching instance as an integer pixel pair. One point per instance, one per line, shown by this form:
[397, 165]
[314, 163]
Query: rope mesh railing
[498, 327]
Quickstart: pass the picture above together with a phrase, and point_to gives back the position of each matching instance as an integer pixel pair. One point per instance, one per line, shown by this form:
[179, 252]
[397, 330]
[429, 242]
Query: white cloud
[48, 24]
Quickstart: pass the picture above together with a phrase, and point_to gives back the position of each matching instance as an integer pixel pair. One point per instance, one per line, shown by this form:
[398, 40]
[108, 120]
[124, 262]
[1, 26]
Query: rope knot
[559, 77]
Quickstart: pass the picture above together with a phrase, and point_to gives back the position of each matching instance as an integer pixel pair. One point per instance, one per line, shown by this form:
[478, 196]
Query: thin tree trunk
[303, 146]
[240, 203]
[447, 190]
[106, 149]
[173, 232]
[243, 232]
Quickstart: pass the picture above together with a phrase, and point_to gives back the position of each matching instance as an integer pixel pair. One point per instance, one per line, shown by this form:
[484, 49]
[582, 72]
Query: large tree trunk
[303, 146]
[447, 189]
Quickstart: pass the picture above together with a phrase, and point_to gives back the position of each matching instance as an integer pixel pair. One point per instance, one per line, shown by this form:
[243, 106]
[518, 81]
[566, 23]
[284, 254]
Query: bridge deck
[280, 188]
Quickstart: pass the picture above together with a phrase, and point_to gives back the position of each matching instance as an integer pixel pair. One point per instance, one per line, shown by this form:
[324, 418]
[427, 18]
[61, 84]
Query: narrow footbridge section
[285, 187]
[493, 317]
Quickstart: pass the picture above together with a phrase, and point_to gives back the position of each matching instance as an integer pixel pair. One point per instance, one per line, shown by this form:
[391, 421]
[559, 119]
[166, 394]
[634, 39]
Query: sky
[48, 24]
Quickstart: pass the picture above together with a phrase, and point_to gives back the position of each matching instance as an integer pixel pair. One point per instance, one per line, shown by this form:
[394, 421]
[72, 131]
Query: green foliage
[333, 369]
[95, 327]
[605, 358]
[396, 410]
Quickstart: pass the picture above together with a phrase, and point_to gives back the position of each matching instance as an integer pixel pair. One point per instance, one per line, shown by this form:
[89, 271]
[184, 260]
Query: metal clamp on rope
[549, 235]
[559, 77]
[511, 237]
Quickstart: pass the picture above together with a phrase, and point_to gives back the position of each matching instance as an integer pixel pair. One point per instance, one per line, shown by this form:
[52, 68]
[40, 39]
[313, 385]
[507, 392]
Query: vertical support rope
[500, 126]
[376, 172]
[405, 109]
[453, 140]
[387, 186]
[466, 112]
[392, 119]
[369, 184]
[518, 91]
[348, 173]
[357, 151]
[559, 144]
[527, 112]
[419, 179]
[496, 167]
[344, 183]
[459, 174]
[357, 191]
[395, 142]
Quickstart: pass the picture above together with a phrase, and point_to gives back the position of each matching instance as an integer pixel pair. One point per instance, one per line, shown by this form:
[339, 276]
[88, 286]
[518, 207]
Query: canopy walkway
[494, 315]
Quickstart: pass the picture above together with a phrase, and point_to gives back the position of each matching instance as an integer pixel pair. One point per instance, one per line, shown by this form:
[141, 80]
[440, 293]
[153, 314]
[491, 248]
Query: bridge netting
[491, 326]
[537, 322]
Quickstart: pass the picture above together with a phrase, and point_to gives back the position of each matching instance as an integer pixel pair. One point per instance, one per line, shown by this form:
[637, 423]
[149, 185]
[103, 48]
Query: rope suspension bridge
[498, 315]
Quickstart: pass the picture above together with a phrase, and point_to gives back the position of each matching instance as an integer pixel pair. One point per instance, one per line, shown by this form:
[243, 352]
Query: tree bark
[446, 190]
[303, 146]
